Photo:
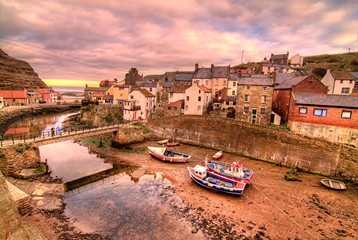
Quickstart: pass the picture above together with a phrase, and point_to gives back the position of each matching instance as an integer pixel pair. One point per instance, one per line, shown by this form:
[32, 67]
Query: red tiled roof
[19, 94]
[205, 89]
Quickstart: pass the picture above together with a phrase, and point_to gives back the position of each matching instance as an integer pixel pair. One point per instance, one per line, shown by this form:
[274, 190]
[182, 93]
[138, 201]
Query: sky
[84, 41]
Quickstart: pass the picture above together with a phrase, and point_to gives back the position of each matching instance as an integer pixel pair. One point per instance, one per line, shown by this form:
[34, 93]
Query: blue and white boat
[201, 176]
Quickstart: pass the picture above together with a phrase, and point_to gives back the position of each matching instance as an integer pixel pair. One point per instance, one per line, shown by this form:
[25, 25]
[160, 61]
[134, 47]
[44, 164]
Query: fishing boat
[218, 155]
[162, 153]
[232, 171]
[172, 143]
[163, 141]
[201, 176]
[333, 184]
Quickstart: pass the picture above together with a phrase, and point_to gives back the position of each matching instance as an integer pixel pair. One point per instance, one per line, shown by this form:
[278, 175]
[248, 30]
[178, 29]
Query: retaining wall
[262, 143]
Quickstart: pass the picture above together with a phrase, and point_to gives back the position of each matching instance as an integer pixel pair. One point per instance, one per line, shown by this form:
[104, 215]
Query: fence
[54, 134]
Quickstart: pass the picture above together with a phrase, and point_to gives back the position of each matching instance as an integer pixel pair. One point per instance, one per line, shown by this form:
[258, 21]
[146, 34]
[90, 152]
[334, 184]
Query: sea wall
[262, 143]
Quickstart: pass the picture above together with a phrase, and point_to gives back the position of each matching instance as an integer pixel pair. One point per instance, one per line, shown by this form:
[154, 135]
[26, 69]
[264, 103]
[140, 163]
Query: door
[253, 117]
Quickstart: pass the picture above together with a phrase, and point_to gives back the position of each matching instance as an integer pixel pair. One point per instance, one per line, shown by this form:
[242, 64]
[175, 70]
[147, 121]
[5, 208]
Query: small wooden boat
[162, 153]
[163, 141]
[201, 176]
[333, 184]
[172, 143]
[233, 171]
[218, 155]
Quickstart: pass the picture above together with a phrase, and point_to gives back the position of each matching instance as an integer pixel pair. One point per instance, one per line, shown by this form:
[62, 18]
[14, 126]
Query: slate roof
[145, 92]
[184, 77]
[221, 71]
[345, 101]
[234, 77]
[289, 83]
[202, 73]
[231, 98]
[168, 84]
[354, 74]
[340, 75]
[256, 81]
[148, 84]
[281, 77]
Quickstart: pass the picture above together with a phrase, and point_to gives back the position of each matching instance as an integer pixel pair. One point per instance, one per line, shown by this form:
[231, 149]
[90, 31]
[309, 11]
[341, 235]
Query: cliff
[17, 74]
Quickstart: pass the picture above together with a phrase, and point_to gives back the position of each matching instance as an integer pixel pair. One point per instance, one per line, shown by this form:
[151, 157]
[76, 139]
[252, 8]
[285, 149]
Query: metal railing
[54, 134]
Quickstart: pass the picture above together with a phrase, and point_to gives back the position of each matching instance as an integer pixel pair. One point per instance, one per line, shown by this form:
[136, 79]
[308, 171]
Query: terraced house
[254, 100]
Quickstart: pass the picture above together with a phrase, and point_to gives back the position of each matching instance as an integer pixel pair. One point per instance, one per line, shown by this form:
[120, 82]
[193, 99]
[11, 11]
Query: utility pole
[242, 57]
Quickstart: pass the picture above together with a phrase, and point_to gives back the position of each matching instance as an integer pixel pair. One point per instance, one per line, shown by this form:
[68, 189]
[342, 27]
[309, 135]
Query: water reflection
[36, 126]
[69, 161]
[123, 209]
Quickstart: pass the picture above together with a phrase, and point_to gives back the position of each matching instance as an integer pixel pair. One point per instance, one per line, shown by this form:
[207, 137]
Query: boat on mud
[204, 178]
[172, 143]
[218, 155]
[333, 184]
[166, 155]
[230, 171]
[163, 141]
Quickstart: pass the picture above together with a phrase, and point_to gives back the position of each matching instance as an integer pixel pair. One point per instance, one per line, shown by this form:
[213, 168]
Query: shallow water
[121, 208]
[69, 161]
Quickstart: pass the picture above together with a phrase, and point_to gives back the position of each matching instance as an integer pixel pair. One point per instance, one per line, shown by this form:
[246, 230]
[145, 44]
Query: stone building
[254, 100]
[132, 77]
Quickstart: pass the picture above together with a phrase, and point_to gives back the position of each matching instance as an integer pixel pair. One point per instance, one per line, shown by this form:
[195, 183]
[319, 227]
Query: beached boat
[172, 143]
[163, 141]
[162, 153]
[333, 184]
[233, 171]
[218, 155]
[201, 176]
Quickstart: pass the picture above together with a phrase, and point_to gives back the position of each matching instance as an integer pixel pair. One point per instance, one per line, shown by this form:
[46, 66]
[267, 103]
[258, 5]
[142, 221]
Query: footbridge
[58, 135]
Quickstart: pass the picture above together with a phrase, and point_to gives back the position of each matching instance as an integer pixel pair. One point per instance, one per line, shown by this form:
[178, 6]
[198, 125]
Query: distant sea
[65, 89]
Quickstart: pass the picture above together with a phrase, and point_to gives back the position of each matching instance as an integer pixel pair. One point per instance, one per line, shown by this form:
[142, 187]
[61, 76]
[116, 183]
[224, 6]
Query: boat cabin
[200, 170]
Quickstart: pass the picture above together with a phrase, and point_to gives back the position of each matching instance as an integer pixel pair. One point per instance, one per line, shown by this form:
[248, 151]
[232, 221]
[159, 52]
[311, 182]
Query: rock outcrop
[17, 74]
[127, 135]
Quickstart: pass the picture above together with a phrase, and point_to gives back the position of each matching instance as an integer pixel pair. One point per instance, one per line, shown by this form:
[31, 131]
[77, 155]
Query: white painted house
[338, 82]
[196, 100]
[139, 106]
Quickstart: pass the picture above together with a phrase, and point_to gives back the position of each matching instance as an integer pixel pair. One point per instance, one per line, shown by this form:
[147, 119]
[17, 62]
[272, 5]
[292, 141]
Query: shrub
[108, 118]
[2, 155]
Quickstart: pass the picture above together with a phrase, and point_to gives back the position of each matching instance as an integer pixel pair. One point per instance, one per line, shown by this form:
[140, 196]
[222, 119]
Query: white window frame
[320, 112]
[302, 110]
[346, 114]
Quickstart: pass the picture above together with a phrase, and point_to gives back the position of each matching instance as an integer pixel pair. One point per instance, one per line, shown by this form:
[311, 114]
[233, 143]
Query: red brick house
[333, 117]
[14, 97]
[283, 92]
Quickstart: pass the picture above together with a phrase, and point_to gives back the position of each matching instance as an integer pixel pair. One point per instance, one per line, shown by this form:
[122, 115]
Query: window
[199, 99]
[233, 92]
[346, 114]
[199, 108]
[247, 87]
[262, 111]
[187, 98]
[171, 95]
[350, 81]
[263, 99]
[302, 110]
[150, 89]
[247, 98]
[175, 108]
[132, 97]
[186, 107]
[246, 110]
[320, 112]
[341, 81]
[345, 90]
[169, 108]
[234, 84]
[199, 91]
[264, 88]
[207, 82]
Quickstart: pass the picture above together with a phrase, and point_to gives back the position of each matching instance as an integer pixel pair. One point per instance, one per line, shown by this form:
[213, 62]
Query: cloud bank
[94, 40]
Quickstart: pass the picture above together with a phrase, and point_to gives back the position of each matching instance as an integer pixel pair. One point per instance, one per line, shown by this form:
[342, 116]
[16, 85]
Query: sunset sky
[82, 40]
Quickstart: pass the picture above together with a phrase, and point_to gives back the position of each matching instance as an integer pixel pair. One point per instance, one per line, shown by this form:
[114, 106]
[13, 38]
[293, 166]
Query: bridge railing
[52, 134]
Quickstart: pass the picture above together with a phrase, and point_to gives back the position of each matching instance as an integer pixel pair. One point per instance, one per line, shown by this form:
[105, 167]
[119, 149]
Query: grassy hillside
[344, 61]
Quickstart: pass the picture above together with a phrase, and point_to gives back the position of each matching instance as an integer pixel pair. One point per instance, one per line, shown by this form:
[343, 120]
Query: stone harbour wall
[262, 143]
